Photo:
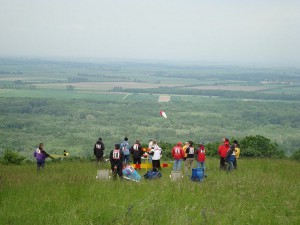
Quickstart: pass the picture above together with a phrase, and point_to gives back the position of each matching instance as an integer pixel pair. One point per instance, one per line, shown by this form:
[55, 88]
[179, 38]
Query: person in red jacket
[222, 151]
[200, 152]
[178, 155]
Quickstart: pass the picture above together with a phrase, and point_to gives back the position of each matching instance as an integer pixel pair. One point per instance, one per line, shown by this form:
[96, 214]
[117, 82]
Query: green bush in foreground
[11, 157]
[296, 155]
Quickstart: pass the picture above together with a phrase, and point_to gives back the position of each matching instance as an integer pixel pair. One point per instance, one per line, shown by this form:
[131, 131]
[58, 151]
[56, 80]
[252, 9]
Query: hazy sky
[254, 31]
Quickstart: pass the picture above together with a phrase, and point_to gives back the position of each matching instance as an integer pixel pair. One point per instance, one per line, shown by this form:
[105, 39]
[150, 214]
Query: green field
[261, 191]
[117, 99]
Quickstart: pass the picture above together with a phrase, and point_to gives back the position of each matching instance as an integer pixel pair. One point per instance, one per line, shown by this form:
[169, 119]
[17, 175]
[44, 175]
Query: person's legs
[222, 163]
[179, 164]
[38, 166]
[203, 166]
[139, 160]
[119, 171]
[235, 164]
[158, 165]
[127, 158]
[230, 165]
[191, 163]
[186, 166]
[175, 165]
[153, 164]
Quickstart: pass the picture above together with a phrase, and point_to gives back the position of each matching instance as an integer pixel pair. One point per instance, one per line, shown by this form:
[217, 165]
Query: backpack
[151, 175]
[197, 174]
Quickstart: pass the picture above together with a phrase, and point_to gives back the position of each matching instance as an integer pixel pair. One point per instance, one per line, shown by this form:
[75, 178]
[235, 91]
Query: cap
[179, 143]
[201, 143]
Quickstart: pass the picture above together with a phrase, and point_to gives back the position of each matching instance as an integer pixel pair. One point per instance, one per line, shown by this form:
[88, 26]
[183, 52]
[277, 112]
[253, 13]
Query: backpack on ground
[152, 174]
[197, 174]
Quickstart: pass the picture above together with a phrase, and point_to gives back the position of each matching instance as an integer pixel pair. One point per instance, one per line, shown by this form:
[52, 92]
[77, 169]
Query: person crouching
[130, 173]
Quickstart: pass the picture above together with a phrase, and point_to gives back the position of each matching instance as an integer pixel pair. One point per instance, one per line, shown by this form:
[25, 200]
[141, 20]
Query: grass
[259, 192]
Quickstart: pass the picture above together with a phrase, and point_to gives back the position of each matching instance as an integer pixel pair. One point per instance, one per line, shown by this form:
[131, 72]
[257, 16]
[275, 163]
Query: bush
[296, 155]
[259, 146]
[11, 157]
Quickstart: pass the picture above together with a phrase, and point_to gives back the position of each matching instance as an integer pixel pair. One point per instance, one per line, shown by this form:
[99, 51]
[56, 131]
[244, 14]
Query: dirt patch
[164, 98]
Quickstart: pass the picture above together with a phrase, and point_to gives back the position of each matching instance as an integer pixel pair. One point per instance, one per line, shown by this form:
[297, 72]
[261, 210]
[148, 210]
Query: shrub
[11, 157]
[296, 155]
[260, 146]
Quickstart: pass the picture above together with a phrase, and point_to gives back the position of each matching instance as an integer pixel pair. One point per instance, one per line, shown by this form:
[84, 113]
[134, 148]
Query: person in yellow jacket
[186, 145]
[237, 153]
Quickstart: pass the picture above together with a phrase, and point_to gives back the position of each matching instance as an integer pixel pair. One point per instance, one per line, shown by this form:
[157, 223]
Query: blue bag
[197, 174]
[151, 174]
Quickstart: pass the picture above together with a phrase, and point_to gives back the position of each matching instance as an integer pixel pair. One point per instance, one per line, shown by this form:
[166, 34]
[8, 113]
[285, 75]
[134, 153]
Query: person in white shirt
[156, 153]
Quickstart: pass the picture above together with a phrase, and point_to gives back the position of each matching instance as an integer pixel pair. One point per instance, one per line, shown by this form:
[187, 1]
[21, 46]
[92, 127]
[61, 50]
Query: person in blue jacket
[129, 172]
[230, 157]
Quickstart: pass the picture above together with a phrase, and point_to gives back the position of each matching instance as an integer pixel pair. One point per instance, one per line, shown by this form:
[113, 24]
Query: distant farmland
[106, 86]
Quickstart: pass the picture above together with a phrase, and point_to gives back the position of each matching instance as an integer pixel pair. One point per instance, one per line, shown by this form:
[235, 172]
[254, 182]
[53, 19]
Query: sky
[229, 31]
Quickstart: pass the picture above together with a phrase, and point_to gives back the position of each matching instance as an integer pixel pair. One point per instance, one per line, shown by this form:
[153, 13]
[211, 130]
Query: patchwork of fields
[82, 101]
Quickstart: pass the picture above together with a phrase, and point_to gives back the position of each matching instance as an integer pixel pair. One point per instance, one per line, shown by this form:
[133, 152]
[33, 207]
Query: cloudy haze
[238, 31]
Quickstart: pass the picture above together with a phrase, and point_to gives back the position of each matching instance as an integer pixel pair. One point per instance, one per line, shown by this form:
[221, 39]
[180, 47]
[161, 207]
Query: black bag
[152, 174]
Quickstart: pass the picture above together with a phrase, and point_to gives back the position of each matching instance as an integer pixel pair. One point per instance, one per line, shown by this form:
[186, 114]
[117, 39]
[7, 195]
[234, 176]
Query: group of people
[120, 158]
[187, 153]
[229, 154]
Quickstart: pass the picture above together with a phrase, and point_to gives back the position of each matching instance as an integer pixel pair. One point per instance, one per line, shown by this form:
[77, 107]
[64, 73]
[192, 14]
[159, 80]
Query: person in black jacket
[99, 150]
[137, 152]
[116, 158]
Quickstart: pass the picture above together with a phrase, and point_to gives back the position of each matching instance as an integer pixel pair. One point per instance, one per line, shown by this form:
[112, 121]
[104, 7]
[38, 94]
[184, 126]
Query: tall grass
[259, 192]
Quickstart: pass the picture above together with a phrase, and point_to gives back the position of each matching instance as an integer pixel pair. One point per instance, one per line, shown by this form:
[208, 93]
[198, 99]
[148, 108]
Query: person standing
[178, 155]
[230, 157]
[137, 152]
[237, 153]
[150, 145]
[185, 146]
[189, 154]
[116, 158]
[156, 153]
[125, 149]
[99, 150]
[222, 151]
[200, 153]
[40, 155]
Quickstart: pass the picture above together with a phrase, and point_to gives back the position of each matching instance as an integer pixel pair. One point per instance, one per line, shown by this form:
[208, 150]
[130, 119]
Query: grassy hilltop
[261, 191]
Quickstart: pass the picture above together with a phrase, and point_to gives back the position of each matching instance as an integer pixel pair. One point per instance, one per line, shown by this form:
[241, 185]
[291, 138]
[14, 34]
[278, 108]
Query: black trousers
[223, 163]
[136, 160]
[156, 164]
